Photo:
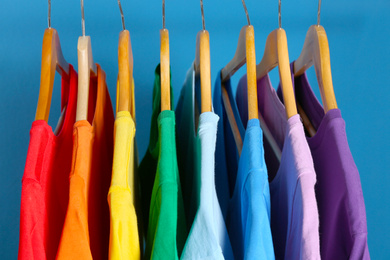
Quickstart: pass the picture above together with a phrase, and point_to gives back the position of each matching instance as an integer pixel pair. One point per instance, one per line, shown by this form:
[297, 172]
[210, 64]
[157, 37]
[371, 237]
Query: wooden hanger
[245, 53]
[87, 67]
[165, 77]
[52, 60]
[125, 66]
[125, 75]
[165, 70]
[276, 54]
[315, 52]
[202, 65]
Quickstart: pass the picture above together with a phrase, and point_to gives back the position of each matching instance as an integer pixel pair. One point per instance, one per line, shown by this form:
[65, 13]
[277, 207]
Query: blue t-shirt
[242, 183]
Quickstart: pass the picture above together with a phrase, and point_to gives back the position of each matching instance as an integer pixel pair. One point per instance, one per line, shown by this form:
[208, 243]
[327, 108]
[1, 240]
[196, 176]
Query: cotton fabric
[196, 140]
[166, 231]
[343, 223]
[45, 183]
[86, 230]
[123, 197]
[294, 213]
[247, 198]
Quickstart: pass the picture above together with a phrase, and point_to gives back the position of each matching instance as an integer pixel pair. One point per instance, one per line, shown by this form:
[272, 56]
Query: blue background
[358, 33]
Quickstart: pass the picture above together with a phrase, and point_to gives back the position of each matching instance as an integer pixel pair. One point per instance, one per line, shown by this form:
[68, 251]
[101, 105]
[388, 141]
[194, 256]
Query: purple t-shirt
[294, 213]
[343, 224]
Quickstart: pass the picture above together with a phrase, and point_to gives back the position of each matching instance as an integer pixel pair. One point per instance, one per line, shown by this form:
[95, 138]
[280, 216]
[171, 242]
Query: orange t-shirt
[86, 231]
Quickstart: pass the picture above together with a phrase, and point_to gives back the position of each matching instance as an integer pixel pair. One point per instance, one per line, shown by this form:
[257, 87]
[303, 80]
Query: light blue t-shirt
[247, 209]
[208, 237]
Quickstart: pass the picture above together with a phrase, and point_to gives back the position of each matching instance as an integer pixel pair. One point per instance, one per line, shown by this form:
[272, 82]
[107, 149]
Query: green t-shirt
[160, 185]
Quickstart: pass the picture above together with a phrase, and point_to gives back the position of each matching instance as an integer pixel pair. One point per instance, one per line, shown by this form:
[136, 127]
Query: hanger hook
[163, 13]
[280, 14]
[82, 17]
[201, 9]
[246, 11]
[319, 13]
[49, 15]
[123, 17]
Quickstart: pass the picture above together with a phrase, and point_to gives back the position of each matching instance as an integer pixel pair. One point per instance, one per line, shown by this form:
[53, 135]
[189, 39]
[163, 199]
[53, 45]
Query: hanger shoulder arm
[276, 54]
[253, 111]
[125, 75]
[86, 67]
[52, 60]
[239, 58]
[323, 70]
[285, 74]
[306, 58]
[202, 67]
[62, 65]
[315, 52]
[205, 71]
[165, 70]
[270, 58]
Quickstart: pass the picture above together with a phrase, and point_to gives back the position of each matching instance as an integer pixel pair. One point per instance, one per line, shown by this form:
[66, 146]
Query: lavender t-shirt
[294, 213]
[343, 224]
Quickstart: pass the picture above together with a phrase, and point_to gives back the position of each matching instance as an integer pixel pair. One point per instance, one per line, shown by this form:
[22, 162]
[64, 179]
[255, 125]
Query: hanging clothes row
[260, 174]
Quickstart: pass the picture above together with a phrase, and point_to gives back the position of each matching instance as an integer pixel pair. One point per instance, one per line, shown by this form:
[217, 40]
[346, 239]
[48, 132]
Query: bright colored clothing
[75, 236]
[45, 183]
[208, 237]
[343, 223]
[124, 235]
[247, 197]
[166, 232]
[123, 197]
[86, 230]
[294, 213]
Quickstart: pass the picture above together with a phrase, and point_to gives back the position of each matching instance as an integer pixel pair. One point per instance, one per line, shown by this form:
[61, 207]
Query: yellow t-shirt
[122, 196]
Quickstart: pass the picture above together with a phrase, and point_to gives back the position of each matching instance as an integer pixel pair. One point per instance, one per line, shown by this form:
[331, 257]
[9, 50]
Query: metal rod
[319, 12]
[123, 17]
[246, 12]
[163, 13]
[82, 18]
[49, 15]
[280, 14]
[201, 9]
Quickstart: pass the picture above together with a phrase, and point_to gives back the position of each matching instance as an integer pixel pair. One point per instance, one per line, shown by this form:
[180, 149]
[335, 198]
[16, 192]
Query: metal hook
[280, 14]
[49, 15]
[246, 12]
[163, 13]
[201, 9]
[82, 17]
[123, 17]
[319, 13]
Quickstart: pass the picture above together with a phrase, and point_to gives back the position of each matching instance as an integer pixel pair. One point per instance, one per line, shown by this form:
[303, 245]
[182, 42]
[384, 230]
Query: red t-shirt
[45, 183]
